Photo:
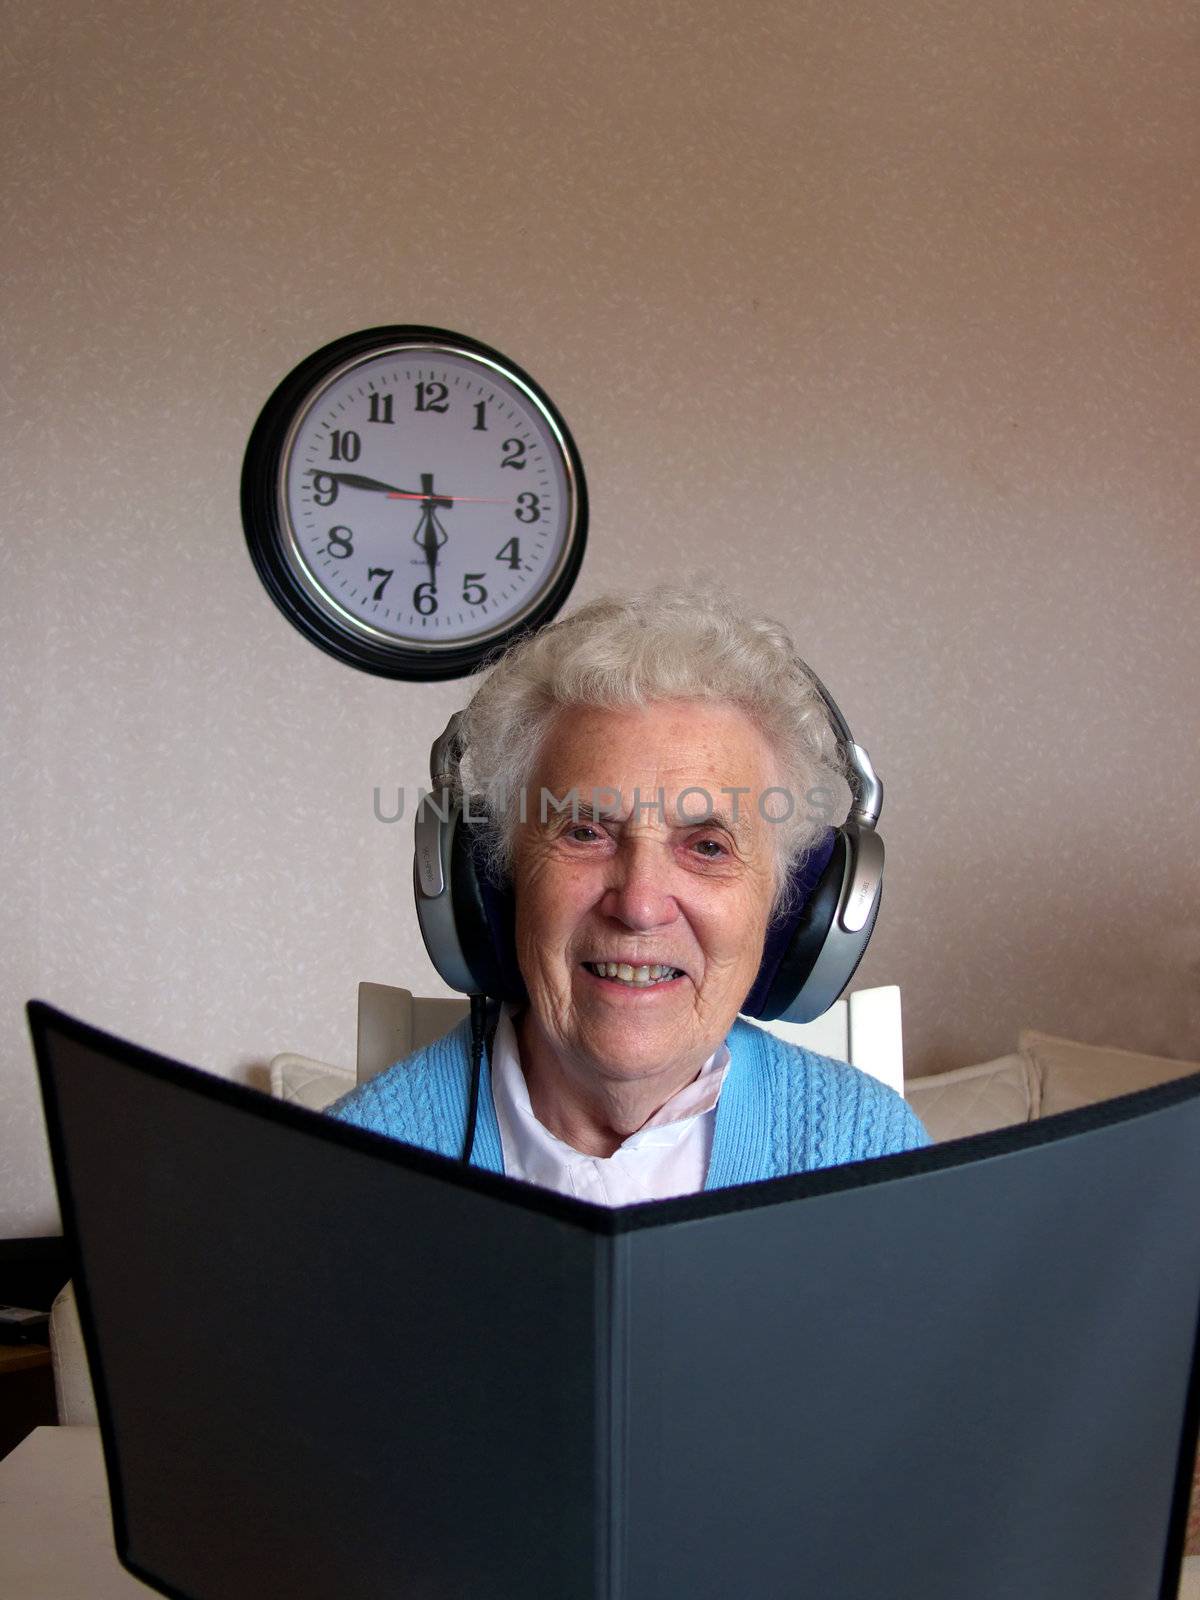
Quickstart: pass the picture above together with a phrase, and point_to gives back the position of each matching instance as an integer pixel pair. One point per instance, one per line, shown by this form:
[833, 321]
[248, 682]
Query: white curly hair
[636, 650]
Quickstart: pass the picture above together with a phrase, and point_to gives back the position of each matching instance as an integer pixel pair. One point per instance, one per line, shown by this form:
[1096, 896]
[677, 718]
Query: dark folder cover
[331, 1365]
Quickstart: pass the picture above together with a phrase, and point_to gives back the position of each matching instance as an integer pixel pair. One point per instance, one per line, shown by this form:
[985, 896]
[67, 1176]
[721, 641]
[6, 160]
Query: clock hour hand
[430, 535]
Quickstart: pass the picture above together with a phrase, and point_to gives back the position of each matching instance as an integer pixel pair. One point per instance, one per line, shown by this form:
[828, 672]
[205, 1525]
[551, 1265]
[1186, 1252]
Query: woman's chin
[620, 1029]
[639, 1037]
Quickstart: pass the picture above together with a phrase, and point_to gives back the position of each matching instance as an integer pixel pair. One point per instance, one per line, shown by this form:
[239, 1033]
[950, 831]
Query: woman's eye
[710, 849]
[583, 833]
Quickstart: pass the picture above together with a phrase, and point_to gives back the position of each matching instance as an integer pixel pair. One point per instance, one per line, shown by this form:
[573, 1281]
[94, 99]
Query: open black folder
[330, 1366]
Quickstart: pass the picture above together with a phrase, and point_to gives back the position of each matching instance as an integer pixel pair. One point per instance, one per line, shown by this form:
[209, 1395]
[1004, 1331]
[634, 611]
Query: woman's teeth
[627, 974]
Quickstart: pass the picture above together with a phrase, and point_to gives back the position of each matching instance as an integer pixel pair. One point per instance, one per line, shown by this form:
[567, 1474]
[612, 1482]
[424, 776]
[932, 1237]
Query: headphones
[810, 954]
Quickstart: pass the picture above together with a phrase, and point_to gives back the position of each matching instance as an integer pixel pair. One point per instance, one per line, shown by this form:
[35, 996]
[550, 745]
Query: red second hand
[471, 499]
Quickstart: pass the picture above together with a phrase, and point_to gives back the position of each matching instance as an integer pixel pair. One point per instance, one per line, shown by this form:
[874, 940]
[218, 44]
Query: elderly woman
[644, 775]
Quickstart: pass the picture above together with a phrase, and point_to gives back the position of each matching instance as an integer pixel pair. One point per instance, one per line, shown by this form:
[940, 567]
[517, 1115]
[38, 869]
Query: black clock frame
[265, 534]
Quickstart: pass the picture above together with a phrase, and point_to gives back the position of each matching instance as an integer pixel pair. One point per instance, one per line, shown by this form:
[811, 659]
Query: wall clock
[412, 501]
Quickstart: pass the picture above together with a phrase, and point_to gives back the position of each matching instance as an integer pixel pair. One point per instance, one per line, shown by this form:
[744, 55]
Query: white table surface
[55, 1525]
[56, 1530]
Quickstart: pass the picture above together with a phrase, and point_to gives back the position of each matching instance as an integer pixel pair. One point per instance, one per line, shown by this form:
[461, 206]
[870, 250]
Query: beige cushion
[968, 1100]
[305, 1082]
[1073, 1074]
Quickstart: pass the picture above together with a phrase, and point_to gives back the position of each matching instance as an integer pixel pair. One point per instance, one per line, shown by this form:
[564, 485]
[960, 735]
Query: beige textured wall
[886, 314]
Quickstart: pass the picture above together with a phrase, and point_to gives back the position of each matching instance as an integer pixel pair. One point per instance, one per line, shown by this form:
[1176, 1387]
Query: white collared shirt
[667, 1156]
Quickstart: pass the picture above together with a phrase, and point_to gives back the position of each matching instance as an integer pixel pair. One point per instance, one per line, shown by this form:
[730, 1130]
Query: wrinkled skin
[600, 1057]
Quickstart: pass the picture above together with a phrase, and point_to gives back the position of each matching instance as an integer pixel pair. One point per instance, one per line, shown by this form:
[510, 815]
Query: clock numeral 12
[432, 397]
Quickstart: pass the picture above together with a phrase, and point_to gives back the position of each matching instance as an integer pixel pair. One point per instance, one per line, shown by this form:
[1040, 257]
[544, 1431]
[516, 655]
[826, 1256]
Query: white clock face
[425, 498]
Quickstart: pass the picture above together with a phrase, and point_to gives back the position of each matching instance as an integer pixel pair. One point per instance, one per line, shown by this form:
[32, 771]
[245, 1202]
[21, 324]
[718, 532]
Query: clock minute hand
[355, 480]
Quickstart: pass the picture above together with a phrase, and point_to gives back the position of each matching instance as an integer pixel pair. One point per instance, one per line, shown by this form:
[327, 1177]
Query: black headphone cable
[483, 1031]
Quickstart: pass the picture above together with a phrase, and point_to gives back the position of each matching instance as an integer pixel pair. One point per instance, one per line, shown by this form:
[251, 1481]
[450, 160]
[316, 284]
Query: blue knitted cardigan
[782, 1109]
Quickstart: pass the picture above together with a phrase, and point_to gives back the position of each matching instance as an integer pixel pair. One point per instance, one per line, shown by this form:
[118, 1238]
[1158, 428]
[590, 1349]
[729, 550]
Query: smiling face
[642, 889]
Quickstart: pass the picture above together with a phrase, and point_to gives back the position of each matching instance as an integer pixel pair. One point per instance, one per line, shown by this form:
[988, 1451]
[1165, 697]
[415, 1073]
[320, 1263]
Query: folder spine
[613, 1257]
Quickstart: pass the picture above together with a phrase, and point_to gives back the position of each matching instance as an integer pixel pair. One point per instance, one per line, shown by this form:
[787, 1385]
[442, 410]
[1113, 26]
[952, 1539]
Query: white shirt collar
[668, 1155]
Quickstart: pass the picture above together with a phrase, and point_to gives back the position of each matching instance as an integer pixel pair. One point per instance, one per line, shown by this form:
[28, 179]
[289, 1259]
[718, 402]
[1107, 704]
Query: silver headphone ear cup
[435, 911]
[849, 930]
[465, 918]
[859, 906]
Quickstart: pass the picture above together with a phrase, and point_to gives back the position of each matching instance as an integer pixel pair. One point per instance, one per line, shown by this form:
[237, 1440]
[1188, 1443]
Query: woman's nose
[639, 889]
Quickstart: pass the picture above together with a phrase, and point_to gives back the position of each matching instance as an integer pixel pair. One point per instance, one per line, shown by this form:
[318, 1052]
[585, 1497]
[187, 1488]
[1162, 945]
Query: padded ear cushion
[793, 944]
[484, 919]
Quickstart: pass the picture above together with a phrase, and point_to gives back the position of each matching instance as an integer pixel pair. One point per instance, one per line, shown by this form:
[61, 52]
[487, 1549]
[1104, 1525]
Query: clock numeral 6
[516, 454]
[432, 397]
[474, 594]
[325, 487]
[529, 507]
[425, 598]
[340, 545]
[344, 446]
